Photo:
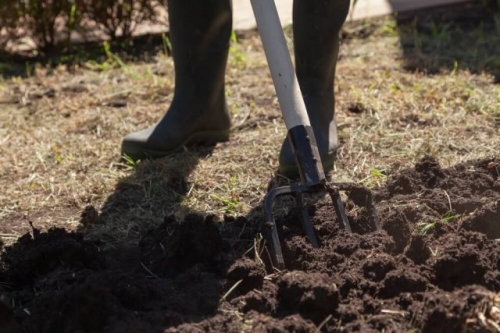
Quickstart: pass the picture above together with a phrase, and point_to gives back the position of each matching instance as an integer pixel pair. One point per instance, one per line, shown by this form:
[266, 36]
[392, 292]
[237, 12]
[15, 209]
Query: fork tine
[306, 221]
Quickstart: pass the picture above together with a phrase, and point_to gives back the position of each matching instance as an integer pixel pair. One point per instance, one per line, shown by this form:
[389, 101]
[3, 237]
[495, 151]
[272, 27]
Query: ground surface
[171, 244]
[432, 268]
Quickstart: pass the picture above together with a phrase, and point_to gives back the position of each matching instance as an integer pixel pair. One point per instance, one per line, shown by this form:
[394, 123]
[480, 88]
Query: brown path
[243, 15]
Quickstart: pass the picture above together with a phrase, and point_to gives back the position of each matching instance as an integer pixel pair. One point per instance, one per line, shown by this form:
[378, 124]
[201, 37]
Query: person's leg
[199, 33]
[316, 28]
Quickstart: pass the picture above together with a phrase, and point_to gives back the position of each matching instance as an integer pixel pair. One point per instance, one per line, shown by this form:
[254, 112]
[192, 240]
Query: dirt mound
[434, 267]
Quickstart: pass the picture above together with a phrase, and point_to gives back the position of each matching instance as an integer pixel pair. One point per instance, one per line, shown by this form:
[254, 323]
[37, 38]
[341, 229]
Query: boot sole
[137, 152]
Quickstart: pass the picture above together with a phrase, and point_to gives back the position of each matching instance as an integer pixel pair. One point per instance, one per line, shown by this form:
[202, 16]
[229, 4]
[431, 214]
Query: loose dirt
[434, 267]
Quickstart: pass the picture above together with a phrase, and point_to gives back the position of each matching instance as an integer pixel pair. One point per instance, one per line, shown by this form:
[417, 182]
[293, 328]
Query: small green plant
[167, 44]
[231, 202]
[59, 158]
[390, 27]
[374, 179]
[238, 58]
[440, 32]
[29, 69]
[129, 162]
[417, 39]
[113, 58]
[234, 37]
[455, 68]
[394, 87]
[426, 227]
[112, 61]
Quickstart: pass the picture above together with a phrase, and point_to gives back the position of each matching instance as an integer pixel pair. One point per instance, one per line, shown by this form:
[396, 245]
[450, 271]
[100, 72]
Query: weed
[375, 178]
[238, 58]
[29, 69]
[167, 44]
[234, 37]
[130, 163]
[455, 68]
[426, 227]
[230, 202]
[417, 38]
[449, 218]
[440, 32]
[58, 157]
[390, 27]
[112, 61]
[394, 87]
[113, 58]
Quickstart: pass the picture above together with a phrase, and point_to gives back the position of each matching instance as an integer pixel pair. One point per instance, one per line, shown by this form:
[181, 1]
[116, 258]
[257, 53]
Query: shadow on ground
[138, 264]
[441, 39]
[142, 48]
[448, 39]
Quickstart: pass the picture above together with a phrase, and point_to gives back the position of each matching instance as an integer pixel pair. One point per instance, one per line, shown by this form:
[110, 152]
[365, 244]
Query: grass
[424, 228]
[403, 89]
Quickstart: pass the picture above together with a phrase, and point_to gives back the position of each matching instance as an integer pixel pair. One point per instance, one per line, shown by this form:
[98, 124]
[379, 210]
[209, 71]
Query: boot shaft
[200, 35]
[316, 29]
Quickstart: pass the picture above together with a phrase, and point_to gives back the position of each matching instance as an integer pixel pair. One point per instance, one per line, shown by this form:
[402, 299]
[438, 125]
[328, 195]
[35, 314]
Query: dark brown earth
[434, 267]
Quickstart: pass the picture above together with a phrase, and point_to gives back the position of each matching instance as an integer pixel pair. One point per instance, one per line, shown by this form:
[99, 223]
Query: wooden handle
[280, 63]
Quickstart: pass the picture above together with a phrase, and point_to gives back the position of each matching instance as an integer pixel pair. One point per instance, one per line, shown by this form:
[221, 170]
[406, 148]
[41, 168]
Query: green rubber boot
[316, 28]
[199, 33]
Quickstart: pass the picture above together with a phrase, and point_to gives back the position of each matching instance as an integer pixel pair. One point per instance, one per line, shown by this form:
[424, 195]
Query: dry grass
[402, 91]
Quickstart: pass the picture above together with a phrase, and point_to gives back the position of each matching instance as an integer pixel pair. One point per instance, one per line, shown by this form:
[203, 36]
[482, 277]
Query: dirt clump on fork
[434, 266]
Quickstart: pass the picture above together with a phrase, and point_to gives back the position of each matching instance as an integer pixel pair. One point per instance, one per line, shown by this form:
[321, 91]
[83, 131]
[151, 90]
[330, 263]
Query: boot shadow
[154, 189]
[135, 263]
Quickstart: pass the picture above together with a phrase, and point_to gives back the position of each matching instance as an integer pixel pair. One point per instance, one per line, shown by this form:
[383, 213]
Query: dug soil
[433, 267]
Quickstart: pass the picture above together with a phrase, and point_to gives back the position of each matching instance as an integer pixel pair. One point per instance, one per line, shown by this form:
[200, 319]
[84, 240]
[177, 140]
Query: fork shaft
[280, 63]
[306, 153]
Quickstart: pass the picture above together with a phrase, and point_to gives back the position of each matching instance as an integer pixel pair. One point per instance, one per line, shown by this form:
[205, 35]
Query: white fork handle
[280, 63]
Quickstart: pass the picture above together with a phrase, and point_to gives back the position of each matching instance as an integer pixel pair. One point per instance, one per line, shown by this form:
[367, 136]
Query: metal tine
[298, 191]
[339, 209]
[334, 190]
[270, 225]
[307, 225]
[276, 251]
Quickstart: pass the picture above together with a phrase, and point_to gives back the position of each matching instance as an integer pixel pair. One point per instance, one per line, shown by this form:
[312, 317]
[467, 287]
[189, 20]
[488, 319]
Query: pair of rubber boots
[200, 36]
